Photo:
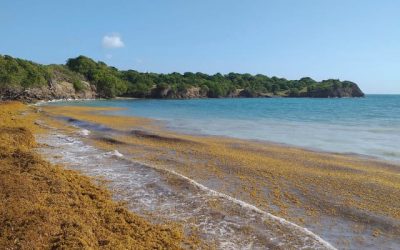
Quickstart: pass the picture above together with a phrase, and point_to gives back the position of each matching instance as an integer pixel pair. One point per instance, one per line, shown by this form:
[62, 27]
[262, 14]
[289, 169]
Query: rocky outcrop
[194, 92]
[251, 94]
[60, 87]
[350, 91]
[246, 93]
[169, 93]
[54, 90]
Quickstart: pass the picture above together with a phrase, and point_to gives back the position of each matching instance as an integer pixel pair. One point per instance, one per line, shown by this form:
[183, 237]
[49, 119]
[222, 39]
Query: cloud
[112, 41]
[109, 56]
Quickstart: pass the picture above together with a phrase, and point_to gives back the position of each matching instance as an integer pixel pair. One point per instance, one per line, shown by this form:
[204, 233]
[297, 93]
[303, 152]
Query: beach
[209, 125]
[232, 193]
[46, 206]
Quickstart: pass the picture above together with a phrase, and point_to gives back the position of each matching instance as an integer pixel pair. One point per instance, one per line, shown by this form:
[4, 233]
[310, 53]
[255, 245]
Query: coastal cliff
[83, 78]
[53, 91]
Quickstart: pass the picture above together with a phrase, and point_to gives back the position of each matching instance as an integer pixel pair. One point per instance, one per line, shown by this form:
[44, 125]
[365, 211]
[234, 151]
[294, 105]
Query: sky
[356, 40]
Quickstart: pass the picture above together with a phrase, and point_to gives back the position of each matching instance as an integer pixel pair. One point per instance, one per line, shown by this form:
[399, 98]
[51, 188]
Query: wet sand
[45, 206]
[349, 201]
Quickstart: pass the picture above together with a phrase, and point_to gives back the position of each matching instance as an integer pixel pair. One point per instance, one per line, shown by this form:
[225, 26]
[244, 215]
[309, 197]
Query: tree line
[111, 82]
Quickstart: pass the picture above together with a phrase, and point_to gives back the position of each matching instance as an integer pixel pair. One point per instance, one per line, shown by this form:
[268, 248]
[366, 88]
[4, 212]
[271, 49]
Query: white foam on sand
[39, 103]
[115, 153]
[249, 206]
[143, 185]
[84, 132]
[118, 154]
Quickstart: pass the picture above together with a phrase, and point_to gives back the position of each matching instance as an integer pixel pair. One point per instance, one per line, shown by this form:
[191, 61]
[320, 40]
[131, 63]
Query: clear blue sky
[346, 39]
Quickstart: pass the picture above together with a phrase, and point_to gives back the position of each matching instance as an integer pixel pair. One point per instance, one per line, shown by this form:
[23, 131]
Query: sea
[368, 126]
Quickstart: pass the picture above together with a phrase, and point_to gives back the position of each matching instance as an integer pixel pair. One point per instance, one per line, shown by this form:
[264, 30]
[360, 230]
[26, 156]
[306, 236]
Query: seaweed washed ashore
[351, 202]
[45, 206]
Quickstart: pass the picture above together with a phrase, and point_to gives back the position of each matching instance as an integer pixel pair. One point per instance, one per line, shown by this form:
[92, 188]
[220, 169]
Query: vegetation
[108, 80]
[63, 73]
[111, 82]
[47, 207]
[21, 73]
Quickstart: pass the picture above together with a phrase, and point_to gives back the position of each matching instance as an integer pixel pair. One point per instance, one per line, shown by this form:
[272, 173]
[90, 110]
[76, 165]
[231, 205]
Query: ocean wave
[147, 188]
[248, 206]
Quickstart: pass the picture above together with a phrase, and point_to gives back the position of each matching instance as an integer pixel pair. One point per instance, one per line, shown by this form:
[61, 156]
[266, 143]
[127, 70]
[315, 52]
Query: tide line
[283, 221]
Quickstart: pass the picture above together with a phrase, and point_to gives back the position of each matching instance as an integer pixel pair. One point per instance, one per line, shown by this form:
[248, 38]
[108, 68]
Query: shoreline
[320, 243]
[150, 136]
[162, 125]
[39, 102]
[314, 190]
[359, 156]
[354, 147]
[49, 206]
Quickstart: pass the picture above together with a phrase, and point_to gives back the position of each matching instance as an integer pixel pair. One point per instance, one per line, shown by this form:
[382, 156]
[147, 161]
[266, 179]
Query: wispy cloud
[112, 41]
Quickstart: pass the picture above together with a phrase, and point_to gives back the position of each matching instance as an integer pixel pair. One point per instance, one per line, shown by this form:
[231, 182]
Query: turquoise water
[367, 126]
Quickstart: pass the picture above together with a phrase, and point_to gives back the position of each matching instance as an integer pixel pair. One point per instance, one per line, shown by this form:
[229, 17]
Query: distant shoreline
[82, 77]
[278, 118]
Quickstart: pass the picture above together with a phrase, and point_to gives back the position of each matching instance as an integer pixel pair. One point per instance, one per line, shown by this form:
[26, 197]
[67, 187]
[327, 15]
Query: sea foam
[145, 188]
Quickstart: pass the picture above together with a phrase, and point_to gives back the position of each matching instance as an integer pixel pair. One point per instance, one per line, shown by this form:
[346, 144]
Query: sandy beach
[225, 125]
[348, 201]
[46, 206]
